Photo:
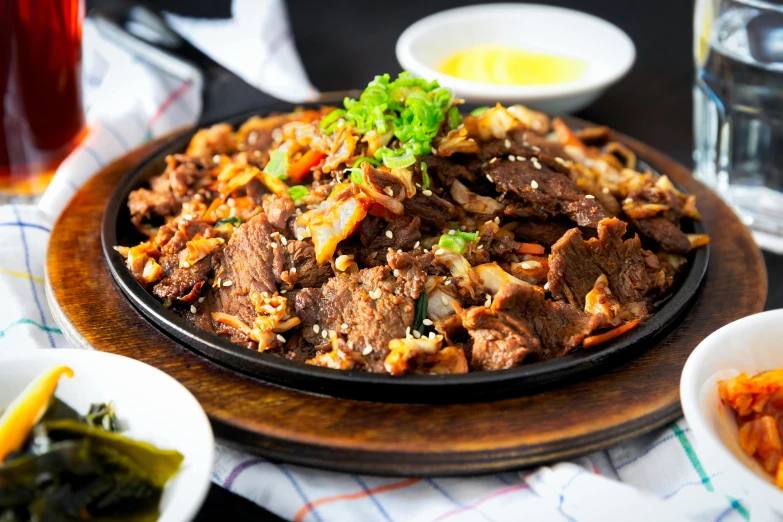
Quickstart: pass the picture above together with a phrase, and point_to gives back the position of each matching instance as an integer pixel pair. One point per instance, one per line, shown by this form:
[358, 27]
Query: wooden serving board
[400, 439]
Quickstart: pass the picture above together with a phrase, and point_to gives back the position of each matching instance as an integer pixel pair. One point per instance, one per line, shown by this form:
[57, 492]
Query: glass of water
[738, 110]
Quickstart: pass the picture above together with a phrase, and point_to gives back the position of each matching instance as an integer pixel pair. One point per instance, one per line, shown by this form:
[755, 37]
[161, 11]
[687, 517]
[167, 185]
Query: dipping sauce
[507, 66]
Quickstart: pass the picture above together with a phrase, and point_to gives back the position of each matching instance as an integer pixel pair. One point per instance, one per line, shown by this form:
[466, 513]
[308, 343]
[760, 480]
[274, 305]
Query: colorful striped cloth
[655, 477]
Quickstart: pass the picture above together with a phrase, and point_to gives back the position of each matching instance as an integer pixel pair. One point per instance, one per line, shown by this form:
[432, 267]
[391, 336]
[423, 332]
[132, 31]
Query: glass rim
[763, 4]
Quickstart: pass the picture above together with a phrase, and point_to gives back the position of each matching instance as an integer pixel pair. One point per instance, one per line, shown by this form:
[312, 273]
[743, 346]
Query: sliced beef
[434, 212]
[404, 232]
[594, 136]
[172, 238]
[144, 204]
[246, 265]
[665, 233]
[278, 208]
[366, 309]
[543, 232]
[545, 191]
[384, 182]
[447, 170]
[300, 255]
[185, 284]
[576, 264]
[522, 324]
[368, 229]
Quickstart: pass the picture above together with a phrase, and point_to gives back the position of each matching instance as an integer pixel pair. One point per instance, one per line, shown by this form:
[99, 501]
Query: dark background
[344, 44]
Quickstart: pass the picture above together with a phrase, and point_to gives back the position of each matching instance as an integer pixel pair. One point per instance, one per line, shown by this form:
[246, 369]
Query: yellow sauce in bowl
[506, 66]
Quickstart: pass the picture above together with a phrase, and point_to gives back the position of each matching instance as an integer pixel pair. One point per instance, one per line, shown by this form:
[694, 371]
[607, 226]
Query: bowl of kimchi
[712, 390]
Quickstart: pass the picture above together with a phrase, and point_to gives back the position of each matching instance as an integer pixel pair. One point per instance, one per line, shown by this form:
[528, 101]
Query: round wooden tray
[406, 439]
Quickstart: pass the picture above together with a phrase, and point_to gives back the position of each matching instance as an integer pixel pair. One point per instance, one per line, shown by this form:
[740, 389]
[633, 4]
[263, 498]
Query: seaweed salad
[58, 465]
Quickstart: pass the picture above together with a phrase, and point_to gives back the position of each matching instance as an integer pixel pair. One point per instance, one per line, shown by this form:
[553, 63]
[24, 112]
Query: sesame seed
[452, 232]
[537, 149]
[480, 247]
[627, 201]
[497, 220]
[418, 185]
[396, 273]
[490, 178]
[283, 240]
[344, 326]
[228, 282]
[434, 151]
[427, 192]
[493, 160]
[316, 328]
[447, 283]
[388, 191]
[389, 234]
[511, 158]
[324, 333]
[274, 245]
[218, 281]
[432, 335]
[526, 266]
[230, 202]
[488, 302]
[185, 264]
[367, 350]
[201, 299]
[439, 252]
[546, 286]
[283, 291]
[193, 309]
[507, 143]
[605, 190]
[520, 158]
[427, 322]
[293, 270]
[445, 300]
[560, 160]
[418, 243]
[534, 184]
[280, 338]
[589, 196]
[416, 334]
[407, 331]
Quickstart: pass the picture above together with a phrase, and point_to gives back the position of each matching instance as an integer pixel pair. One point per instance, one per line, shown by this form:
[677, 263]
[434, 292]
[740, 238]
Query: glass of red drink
[41, 114]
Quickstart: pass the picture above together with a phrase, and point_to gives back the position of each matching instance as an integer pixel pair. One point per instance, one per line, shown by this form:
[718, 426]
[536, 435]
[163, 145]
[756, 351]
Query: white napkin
[129, 102]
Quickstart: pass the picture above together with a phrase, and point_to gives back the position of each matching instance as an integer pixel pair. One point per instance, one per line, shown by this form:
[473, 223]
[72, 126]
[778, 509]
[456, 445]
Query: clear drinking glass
[738, 109]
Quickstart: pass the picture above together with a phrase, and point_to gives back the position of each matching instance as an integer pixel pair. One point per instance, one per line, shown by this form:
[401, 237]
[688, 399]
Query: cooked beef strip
[247, 262]
[594, 136]
[434, 211]
[447, 170]
[368, 229]
[554, 195]
[665, 233]
[278, 208]
[144, 204]
[372, 321]
[301, 255]
[404, 235]
[522, 323]
[173, 237]
[575, 264]
[181, 284]
[545, 232]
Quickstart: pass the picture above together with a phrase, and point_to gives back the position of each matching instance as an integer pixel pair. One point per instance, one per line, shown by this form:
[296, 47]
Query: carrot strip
[565, 135]
[530, 248]
[309, 159]
[594, 340]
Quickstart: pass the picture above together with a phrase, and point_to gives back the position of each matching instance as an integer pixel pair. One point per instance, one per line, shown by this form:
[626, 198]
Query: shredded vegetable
[425, 178]
[278, 164]
[454, 118]
[356, 176]
[297, 192]
[412, 108]
[478, 111]
[234, 220]
[361, 160]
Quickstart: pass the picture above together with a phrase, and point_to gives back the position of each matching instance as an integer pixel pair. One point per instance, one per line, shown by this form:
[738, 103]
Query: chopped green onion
[400, 162]
[278, 164]
[478, 111]
[467, 236]
[420, 313]
[297, 192]
[425, 178]
[455, 118]
[356, 176]
[361, 160]
[331, 117]
[234, 220]
[452, 242]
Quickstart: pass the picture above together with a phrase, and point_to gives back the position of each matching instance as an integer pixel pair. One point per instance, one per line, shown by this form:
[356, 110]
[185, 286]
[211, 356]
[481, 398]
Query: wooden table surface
[652, 103]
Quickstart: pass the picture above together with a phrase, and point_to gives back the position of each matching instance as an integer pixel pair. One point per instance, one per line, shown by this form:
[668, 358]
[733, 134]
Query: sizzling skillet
[118, 230]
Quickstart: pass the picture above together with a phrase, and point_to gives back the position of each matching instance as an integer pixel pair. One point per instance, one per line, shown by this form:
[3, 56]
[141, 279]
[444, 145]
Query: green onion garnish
[455, 118]
[467, 236]
[478, 111]
[361, 160]
[420, 313]
[234, 220]
[356, 175]
[297, 192]
[425, 178]
[412, 108]
[278, 164]
[331, 117]
[452, 242]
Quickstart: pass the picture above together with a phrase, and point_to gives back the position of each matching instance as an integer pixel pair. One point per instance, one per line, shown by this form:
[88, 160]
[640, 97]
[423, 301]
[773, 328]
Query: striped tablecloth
[655, 477]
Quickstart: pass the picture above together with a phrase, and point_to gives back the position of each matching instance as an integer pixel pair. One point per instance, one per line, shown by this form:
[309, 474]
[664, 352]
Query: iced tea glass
[41, 114]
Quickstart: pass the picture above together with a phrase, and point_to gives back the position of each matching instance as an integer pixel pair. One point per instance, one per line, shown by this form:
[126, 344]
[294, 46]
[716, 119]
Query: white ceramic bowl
[753, 344]
[152, 406]
[608, 52]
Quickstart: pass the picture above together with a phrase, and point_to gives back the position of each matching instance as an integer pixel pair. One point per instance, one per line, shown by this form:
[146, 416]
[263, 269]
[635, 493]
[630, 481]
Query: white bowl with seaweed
[149, 446]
